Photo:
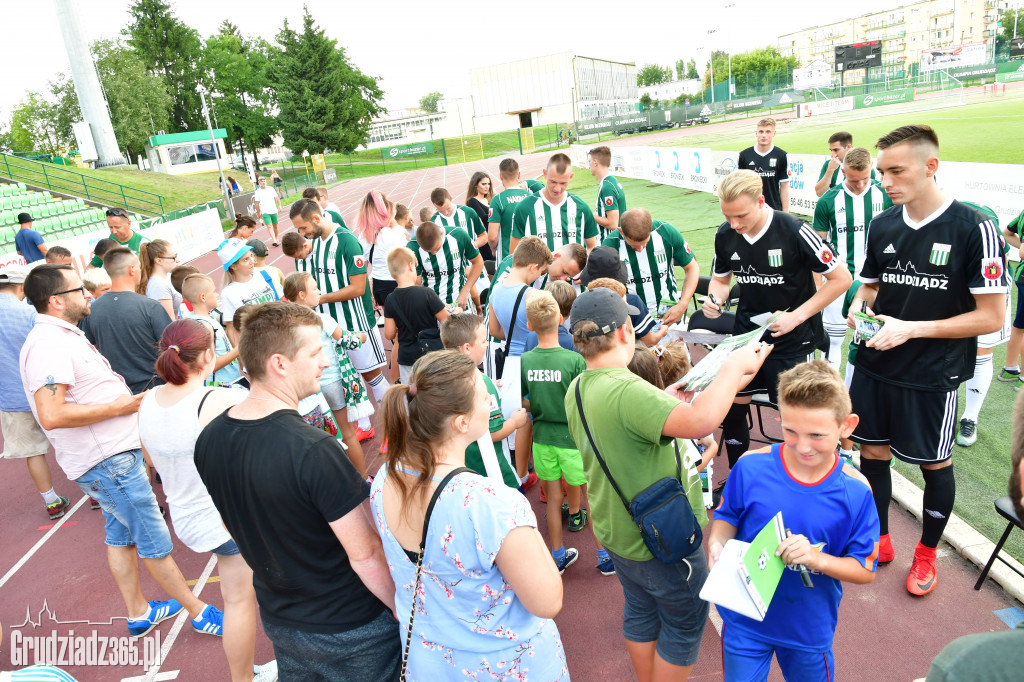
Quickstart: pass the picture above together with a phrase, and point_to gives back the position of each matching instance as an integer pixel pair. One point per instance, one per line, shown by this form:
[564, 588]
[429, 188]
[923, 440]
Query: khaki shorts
[22, 436]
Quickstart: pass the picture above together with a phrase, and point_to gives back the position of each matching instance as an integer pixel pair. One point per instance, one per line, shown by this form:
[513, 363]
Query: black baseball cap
[603, 262]
[24, 218]
[603, 307]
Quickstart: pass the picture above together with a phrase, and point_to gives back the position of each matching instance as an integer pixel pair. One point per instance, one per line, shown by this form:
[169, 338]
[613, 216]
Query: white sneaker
[265, 673]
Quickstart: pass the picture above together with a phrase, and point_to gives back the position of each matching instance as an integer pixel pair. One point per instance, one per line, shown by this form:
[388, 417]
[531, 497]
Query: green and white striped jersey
[445, 271]
[535, 186]
[333, 262]
[463, 217]
[610, 197]
[843, 217]
[503, 206]
[651, 273]
[570, 221]
[838, 176]
[336, 219]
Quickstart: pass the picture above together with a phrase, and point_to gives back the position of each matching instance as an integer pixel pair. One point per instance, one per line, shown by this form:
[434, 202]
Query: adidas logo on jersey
[735, 256]
[889, 249]
[750, 163]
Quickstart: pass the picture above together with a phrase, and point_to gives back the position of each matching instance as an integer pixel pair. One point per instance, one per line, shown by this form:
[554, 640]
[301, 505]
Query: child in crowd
[96, 281]
[426, 213]
[98, 251]
[547, 371]
[178, 275]
[201, 293]
[340, 383]
[157, 258]
[830, 509]
[294, 245]
[409, 309]
[58, 255]
[403, 218]
[260, 251]
[656, 366]
[241, 286]
[466, 333]
[564, 294]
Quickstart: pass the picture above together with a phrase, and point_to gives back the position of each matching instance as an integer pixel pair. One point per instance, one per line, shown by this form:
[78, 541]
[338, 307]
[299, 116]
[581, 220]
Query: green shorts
[270, 219]
[552, 463]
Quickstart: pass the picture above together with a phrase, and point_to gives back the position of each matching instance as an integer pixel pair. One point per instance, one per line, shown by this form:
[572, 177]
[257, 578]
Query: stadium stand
[54, 218]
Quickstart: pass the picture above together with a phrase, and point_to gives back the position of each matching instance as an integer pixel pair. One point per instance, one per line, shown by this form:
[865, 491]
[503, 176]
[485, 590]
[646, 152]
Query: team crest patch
[771, 162]
[490, 212]
[775, 258]
[608, 201]
[360, 262]
[991, 268]
[825, 255]
[687, 245]
[356, 389]
[940, 254]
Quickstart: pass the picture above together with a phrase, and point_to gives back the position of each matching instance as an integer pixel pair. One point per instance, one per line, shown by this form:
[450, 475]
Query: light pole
[711, 62]
[216, 155]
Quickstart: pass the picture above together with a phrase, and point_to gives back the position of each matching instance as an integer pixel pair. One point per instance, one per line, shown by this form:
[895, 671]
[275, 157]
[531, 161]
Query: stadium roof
[191, 136]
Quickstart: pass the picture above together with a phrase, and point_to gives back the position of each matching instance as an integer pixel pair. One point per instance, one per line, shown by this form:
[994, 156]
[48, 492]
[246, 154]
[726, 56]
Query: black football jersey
[773, 169]
[930, 271]
[775, 271]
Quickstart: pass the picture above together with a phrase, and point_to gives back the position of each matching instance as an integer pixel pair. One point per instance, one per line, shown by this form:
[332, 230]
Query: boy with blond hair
[408, 310]
[467, 334]
[564, 294]
[201, 293]
[547, 371]
[827, 504]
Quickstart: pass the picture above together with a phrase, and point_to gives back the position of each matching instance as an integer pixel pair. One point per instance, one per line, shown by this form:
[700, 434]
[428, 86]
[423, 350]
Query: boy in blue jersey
[828, 508]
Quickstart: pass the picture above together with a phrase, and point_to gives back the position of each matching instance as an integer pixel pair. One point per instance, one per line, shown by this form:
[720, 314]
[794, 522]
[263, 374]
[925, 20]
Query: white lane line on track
[42, 541]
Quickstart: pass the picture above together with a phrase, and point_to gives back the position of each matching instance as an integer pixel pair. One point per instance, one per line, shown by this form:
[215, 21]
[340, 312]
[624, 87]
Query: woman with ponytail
[243, 229]
[157, 259]
[170, 419]
[481, 538]
[377, 229]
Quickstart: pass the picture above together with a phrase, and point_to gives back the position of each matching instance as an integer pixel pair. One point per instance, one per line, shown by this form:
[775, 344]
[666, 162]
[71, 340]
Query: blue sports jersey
[837, 515]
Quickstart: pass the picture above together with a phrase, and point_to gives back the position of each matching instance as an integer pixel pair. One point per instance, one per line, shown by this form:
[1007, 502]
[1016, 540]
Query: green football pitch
[989, 131]
[981, 471]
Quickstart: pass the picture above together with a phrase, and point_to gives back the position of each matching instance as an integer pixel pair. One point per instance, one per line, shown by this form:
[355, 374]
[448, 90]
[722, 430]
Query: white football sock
[836, 337]
[379, 385]
[364, 423]
[977, 387]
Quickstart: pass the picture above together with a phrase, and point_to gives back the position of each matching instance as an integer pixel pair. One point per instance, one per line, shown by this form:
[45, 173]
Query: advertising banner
[944, 58]
[722, 163]
[408, 150]
[973, 71]
[1017, 74]
[827, 106]
[803, 174]
[629, 162]
[878, 99]
[1017, 48]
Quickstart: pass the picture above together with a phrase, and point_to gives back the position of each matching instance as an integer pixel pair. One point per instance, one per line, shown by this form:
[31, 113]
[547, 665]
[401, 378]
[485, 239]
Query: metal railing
[67, 181]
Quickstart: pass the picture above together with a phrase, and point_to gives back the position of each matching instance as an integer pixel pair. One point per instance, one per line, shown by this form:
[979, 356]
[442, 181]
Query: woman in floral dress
[488, 588]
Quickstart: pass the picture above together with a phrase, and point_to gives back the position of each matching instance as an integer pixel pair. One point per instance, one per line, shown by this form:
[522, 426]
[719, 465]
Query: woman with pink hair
[377, 229]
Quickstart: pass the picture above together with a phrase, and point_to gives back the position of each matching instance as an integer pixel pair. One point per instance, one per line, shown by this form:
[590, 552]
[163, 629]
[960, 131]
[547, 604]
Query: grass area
[989, 131]
[179, 191]
[981, 471]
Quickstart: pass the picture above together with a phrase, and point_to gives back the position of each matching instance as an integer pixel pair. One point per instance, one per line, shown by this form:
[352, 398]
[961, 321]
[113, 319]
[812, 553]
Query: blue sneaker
[571, 555]
[210, 621]
[606, 567]
[159, 611]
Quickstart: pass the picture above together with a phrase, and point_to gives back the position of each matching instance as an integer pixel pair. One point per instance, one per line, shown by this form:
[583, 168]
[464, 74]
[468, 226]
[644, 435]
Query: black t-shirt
[126, 328]
[415, 306]
[773, 169]
[277, 483]
[929, 271]
[775, 272]
[484, 211]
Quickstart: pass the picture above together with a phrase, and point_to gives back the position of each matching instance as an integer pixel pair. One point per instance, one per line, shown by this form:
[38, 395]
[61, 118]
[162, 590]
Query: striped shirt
[610, 197]
[463, 217]
[445, 271]
[333, 262]
[503, 207]
[570, 221]
[838, 176]
[843, 218]
[651, 273]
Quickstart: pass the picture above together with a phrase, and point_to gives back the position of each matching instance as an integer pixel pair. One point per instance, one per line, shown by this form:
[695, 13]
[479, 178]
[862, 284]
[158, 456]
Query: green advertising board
[878, 99]
[1010, 72]
[968, 72]
[408, 150]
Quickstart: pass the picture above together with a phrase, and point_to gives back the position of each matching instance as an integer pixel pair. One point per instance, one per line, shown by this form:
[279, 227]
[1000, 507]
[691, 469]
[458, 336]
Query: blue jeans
[130, 511]
[370, 653]
[663, 604]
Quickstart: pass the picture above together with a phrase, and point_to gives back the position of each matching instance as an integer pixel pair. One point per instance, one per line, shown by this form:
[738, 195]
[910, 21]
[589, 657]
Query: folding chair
[1004, 506]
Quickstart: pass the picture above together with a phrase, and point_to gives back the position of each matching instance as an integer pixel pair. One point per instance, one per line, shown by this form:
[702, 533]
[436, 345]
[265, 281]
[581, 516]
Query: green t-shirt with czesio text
[133, 243]
[546, 375]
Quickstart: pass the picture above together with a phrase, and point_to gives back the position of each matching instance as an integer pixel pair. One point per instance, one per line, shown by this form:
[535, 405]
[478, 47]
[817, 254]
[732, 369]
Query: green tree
[428, 102]
[646, 102]
[691, 69]
[33, 126]
[325, 102]
[1009, 20]
[680, 69]
[652, 74]
[241, 89]
[720, 63]
[172, 50]
[138, 101]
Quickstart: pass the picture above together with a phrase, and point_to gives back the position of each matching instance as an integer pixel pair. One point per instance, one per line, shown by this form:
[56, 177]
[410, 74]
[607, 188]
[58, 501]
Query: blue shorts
[747, 659]
[130, 511]
[229, 548]
[662, 604]
[1018, 318]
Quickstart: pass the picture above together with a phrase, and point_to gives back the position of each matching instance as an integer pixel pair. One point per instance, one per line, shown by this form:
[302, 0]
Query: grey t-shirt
[126, 328]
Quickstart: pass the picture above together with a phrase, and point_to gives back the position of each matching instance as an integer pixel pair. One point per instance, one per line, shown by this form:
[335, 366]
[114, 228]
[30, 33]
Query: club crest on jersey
[360, 262]
[775, 258]
[608, 201]
[991, 268]
[825, 255]
[490, 212]
[771, 162]
[687, 246]
[940, 254]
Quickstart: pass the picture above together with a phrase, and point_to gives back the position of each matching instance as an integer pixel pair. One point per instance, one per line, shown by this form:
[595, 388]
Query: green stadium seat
[21, 186]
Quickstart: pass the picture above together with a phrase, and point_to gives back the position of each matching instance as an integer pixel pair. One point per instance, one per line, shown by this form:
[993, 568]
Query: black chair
[702, 291]
[1004, 506]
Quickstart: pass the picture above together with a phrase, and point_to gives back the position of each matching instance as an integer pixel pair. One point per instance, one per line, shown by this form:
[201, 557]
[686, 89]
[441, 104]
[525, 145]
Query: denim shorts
[229, 548]
[130, 511]
[370, 653]
[663, 604]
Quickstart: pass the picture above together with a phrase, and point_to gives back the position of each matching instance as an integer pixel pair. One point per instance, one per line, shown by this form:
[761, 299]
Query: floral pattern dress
[469, 624]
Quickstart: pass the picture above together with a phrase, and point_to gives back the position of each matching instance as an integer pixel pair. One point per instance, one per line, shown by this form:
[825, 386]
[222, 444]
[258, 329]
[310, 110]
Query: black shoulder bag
[502, 353]
[419, 559]
[427, 340]
[661, 511]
